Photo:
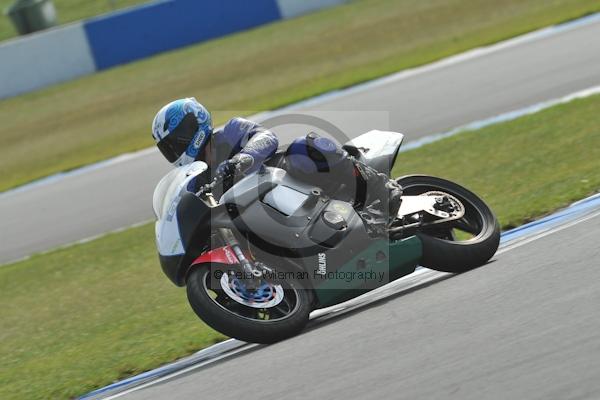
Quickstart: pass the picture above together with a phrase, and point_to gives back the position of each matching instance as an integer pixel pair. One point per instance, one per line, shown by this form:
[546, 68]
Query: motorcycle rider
[183, 133]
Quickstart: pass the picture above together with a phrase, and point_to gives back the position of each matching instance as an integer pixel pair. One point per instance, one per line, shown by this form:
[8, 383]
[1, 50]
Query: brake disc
[265, 296]
[458, 208]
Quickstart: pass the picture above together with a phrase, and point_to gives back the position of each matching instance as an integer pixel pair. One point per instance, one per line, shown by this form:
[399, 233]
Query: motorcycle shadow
[380, 296]
[375, 298]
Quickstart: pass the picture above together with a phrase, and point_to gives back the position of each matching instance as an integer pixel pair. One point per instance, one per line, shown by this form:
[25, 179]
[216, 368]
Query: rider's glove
[241, 162]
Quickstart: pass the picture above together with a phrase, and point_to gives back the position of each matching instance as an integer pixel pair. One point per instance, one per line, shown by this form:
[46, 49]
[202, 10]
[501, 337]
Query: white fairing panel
[166, 197]
[378, 142]
[379, 148]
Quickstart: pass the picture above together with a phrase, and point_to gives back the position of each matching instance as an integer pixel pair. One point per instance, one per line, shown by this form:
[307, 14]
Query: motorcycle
[274, 248]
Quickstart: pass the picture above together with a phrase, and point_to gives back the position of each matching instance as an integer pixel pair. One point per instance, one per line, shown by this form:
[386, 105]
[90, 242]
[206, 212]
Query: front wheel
[458, 245]
[267, 313]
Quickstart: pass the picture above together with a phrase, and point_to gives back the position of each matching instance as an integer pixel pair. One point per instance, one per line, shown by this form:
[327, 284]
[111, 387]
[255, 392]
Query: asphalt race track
[525, 326]
[554, 64]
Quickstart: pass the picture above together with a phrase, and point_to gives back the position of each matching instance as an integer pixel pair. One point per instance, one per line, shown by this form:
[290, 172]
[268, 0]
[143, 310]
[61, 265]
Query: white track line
[448, 61]
[527, 240]
[505, 117]
[242, 349]
[80, 241]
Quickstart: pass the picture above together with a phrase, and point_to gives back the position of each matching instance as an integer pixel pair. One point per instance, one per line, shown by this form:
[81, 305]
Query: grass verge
[525, 168]
[79, 318]
[109, 113]
[68, 11]
[90, 314]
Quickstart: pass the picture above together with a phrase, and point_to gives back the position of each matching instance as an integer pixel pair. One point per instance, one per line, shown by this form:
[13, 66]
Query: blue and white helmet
[181, 130]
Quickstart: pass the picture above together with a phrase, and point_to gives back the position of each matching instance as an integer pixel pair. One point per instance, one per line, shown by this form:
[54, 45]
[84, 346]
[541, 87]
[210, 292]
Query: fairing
[379, 148]
[221, 255]
[166, 198]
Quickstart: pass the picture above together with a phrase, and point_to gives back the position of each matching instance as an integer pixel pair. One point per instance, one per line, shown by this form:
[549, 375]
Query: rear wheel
[271, 311]
[458, 245]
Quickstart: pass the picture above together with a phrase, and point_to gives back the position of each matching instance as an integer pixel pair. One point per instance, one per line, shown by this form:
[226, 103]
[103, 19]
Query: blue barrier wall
[84, 47]
[144, 31]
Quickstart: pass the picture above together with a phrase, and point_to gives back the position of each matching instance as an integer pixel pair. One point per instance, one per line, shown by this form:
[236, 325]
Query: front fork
[230, 240]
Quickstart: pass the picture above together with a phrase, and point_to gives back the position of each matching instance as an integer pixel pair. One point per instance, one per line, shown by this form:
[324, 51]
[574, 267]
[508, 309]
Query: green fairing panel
[381, 263]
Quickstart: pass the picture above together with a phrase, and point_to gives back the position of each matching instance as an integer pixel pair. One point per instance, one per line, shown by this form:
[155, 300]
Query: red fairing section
[222, 255]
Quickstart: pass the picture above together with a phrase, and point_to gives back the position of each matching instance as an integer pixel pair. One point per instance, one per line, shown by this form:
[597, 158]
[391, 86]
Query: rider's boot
[382, 195]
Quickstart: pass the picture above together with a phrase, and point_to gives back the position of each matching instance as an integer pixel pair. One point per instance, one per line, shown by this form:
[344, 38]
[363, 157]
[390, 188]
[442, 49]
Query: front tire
[236, 320]
[441, 249]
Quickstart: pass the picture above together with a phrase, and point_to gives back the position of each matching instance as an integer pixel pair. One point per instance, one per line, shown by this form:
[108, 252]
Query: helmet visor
[176, 143]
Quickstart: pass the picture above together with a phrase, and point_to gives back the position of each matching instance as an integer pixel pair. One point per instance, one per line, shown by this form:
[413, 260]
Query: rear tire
[241, 327]
[454, 256]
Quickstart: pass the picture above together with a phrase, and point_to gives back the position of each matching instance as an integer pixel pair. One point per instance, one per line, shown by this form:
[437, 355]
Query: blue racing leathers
[240, 137]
